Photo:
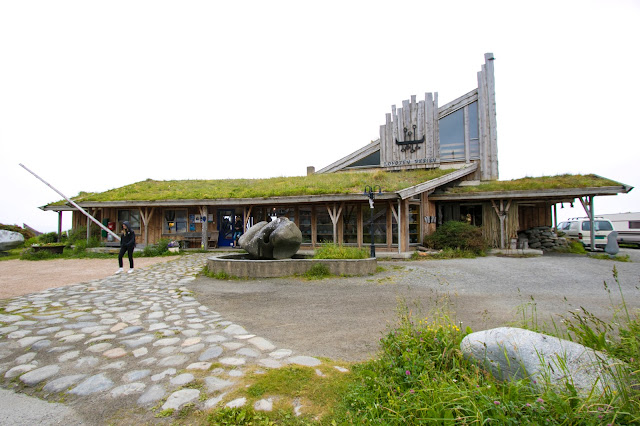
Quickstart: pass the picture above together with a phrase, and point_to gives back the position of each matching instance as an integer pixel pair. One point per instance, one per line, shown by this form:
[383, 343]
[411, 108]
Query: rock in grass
[515, 354]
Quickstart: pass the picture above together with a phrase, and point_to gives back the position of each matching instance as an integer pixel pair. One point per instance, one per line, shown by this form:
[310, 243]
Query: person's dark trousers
[129, 251]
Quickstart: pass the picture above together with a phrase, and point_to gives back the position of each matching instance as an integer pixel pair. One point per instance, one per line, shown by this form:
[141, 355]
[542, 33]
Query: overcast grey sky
[97, 95]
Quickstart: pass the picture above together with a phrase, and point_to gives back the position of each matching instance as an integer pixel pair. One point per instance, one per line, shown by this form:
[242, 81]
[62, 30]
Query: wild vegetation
[331, 183]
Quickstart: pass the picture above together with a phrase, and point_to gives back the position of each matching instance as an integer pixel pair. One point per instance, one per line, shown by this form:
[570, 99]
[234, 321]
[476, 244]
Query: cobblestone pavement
[130, 340]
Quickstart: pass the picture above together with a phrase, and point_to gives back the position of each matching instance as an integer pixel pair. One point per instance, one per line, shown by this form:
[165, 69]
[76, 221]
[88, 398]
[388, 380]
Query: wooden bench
[195, 237]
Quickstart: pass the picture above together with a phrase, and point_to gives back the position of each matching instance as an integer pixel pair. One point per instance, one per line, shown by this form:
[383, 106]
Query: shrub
[457, 235]
[161, 248]
[80, 233]
[48, 238]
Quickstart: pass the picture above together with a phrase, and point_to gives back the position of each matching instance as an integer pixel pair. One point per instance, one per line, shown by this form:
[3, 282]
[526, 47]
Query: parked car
[579, 229]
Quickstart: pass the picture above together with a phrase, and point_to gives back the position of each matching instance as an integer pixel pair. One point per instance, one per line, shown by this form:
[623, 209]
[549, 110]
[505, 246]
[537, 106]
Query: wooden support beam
[204, 244]
[335, 215]
[146, 215]
[587, 204]
[502, 216]
[60, 226]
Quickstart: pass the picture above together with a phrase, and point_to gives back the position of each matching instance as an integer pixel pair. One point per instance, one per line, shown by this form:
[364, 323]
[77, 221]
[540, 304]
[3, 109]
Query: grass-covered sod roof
[317, 184]
[537, 183]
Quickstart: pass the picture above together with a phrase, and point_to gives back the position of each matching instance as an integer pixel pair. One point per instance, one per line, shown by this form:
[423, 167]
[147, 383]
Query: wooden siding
[530, 216]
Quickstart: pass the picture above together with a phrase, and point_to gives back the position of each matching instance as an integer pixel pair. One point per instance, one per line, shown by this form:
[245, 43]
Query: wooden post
[205, 227]
[587, 204]
[60, 226]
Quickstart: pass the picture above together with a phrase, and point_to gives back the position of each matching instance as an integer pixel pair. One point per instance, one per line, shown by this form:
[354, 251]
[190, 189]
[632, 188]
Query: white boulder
[10, 239]
[514, 354]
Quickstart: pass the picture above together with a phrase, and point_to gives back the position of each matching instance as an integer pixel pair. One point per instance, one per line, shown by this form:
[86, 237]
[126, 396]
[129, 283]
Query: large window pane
[305, 224]
[452, 136]
[414, 223]
[379, 224]
[324, 226]
[350, 225]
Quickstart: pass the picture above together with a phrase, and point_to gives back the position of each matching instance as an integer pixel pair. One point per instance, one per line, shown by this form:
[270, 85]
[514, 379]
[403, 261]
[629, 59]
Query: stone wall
[542, 238]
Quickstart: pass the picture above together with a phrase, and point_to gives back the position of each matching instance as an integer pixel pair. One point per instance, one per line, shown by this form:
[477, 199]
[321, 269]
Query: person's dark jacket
[128, 238]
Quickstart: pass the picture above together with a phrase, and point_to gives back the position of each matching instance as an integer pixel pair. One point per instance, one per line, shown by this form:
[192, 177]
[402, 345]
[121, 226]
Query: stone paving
[139, 336]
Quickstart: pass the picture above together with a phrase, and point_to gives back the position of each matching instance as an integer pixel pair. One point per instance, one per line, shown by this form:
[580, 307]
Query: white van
[579, 229]
[627, 225]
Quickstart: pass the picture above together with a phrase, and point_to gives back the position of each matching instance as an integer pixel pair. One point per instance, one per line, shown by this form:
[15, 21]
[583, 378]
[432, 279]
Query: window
[471, 214]
[634, 224]
[379, 224]
[369, 160]
[414, 223]
[452, 134]
[131, 216]
[599, 225]
[175, 221]
[324, 226]
[305, 224]
[288, 212]
[350, 225]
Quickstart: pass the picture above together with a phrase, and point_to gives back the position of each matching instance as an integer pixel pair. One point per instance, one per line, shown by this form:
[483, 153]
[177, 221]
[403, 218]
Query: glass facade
[324, 226]
[305, 224]
[350, 224]
[414, 223]
[379, 224]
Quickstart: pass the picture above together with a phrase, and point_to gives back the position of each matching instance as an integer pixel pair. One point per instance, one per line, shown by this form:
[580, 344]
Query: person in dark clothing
[237, 228]
[127, 244]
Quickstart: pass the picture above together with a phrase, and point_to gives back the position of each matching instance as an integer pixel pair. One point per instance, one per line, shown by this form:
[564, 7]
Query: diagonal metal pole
[116, 236]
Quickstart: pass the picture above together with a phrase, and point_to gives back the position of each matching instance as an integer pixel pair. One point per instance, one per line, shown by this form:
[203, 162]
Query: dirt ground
[18, 277]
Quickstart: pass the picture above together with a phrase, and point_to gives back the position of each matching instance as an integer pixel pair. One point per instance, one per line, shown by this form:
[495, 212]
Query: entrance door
[226, 218]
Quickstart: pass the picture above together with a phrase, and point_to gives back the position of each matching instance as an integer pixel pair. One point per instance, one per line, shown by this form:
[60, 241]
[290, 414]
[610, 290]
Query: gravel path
[344, 318]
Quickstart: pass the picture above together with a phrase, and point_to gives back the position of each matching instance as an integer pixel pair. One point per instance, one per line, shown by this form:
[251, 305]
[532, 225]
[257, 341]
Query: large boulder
[10, 240]
[278, 239]
[514, 354]
[612, 247]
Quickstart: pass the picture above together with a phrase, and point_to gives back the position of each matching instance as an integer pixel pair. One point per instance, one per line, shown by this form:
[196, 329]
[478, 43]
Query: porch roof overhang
[548, 195]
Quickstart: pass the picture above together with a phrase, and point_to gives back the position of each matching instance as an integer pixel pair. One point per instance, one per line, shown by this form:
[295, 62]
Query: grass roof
[317, 184]
[537, 183]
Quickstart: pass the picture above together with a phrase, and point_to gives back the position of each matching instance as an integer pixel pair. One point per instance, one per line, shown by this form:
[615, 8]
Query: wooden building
[446, 155]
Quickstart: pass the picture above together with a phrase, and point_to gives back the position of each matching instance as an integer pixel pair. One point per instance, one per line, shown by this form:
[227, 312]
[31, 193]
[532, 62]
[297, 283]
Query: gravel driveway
[344, 318]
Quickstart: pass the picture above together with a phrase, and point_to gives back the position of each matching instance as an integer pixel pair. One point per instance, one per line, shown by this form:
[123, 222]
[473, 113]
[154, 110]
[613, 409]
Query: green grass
[317, 184]
[605, 256]
[537, 183]
[317, 271]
